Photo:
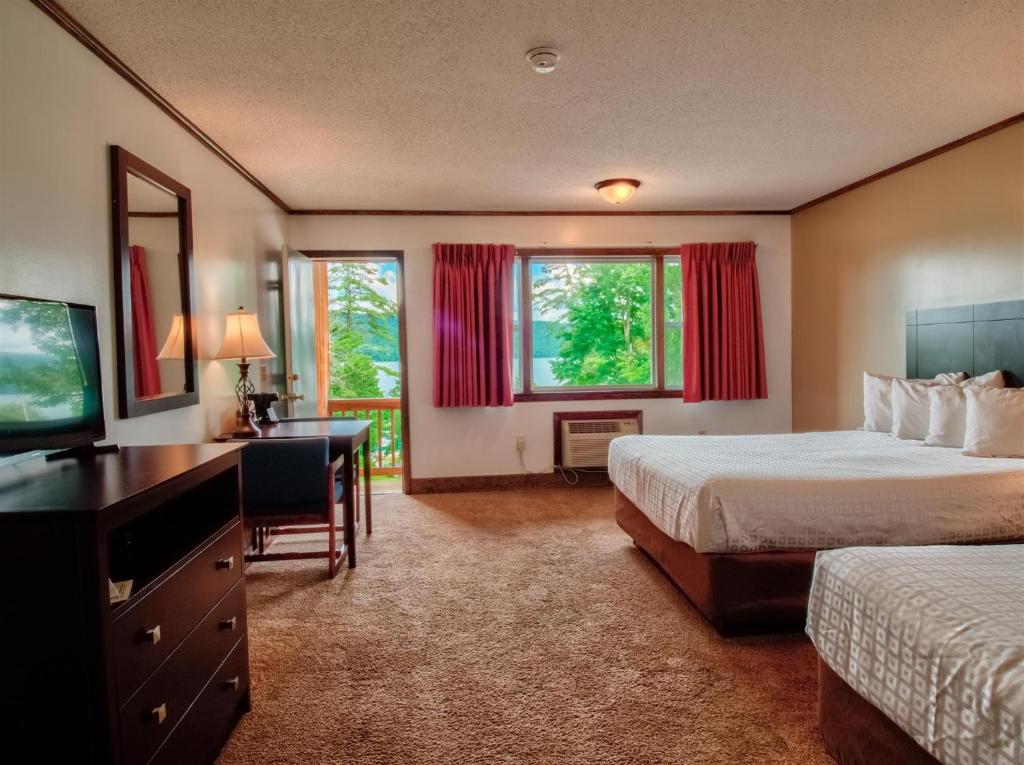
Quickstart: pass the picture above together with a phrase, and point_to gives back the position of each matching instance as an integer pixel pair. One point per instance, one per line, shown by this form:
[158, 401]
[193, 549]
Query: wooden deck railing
[385, 432]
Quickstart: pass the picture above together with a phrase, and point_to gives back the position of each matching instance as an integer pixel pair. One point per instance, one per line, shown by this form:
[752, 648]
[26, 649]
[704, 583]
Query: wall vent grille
[585, 442]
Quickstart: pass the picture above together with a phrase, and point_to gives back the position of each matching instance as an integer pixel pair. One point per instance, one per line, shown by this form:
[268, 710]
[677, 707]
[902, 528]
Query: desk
[344, 438]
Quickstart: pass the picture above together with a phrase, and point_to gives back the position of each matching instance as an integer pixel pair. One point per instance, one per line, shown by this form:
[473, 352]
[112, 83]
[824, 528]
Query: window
[597, 324]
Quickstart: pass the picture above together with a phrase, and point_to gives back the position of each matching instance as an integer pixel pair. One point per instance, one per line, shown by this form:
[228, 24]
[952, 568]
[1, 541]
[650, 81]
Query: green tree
[47, 373]
[673, 324]
[361, 317]
[555, 286]
[605, 337]
[353, 374]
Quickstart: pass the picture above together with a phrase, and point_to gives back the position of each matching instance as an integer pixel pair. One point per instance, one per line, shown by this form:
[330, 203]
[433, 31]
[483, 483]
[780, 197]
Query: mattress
[934, 638]
[815, 491]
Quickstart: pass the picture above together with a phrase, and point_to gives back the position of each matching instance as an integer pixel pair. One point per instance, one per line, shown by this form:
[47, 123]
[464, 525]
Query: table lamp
[174, 345]
[243, 341]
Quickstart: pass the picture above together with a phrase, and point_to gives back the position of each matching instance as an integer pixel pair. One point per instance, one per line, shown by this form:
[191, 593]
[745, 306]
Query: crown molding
[554, 213]
[993, 128]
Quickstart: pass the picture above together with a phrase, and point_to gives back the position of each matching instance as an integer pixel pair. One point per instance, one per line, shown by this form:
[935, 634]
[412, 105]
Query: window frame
[525, 257]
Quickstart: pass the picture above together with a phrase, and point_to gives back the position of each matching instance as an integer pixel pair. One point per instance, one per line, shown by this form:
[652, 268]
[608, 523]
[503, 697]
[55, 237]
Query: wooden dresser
[160, 678]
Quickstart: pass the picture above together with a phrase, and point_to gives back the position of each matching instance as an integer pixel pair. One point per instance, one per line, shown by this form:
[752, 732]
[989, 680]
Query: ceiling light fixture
[617, 190]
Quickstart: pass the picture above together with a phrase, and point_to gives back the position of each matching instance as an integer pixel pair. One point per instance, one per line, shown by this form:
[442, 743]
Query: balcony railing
[385, 432]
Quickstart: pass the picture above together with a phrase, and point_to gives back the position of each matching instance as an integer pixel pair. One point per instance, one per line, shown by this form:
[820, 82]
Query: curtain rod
[591, 245]
[620, 245]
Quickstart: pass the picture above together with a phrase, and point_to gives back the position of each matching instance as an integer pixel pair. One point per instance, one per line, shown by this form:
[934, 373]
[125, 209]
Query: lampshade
[242, 338]
[617, 190]
[174, 345]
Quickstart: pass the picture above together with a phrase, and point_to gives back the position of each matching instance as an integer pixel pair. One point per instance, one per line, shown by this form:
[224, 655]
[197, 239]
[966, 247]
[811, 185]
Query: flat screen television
[51, 395]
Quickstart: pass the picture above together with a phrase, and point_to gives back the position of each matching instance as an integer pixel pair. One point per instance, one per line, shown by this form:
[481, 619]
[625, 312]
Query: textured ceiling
[729, 104]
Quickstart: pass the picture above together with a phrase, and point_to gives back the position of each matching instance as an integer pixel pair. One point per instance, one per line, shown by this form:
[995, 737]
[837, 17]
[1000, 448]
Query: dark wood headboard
[975, 339]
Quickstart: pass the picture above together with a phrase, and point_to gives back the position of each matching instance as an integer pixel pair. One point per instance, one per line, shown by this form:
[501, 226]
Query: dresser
[161, 677]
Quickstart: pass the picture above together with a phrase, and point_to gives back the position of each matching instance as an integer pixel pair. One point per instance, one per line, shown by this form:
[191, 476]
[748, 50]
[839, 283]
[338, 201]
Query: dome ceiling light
[617, 190]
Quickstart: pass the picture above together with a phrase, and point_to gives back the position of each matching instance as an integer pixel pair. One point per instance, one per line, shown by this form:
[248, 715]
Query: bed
[921, 653]
[734, 521]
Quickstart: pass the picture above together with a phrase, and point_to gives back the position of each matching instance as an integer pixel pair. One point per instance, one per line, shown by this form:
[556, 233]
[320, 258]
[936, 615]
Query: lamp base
[245, 426]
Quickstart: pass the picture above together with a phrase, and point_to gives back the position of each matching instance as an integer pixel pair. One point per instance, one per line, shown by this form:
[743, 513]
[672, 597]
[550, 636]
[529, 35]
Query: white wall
[457, 442]
[60, 108]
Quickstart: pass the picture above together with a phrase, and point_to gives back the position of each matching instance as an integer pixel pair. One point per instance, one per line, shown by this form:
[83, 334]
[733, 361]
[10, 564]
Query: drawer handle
[226, 563]
[229, 624]
[232, 684]
[159, 713]
[152, 635]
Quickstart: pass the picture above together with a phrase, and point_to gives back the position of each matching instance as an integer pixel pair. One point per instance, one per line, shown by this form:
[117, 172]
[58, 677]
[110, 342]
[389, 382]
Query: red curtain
[723, 342]
[147, 371]
[473, 324]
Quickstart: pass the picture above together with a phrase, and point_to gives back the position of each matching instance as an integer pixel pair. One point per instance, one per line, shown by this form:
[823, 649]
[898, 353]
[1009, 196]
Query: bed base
[855, 732]
[738, 593]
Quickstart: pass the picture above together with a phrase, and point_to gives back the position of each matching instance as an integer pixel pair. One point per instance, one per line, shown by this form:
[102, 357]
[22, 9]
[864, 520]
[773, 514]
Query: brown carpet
[509, 627]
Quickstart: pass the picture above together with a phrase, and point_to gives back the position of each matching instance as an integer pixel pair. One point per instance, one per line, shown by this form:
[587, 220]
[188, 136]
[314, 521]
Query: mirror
[152, 219]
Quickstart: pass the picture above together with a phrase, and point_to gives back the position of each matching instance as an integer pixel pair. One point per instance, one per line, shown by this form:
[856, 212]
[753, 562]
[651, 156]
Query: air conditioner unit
[585, 442]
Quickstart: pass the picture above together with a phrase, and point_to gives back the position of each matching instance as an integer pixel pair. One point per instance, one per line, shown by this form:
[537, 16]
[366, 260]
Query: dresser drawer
[152, 628]
[158, 706]
[208, 724]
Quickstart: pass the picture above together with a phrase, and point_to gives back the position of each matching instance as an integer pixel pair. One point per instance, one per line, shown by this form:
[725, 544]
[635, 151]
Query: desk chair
[289, 483]
[356, 469]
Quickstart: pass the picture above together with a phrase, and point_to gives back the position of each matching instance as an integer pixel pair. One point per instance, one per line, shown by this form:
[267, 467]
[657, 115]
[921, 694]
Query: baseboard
[501, 482]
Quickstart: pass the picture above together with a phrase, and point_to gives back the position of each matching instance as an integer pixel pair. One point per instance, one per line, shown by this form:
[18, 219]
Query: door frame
[397, 257]
[289, 336]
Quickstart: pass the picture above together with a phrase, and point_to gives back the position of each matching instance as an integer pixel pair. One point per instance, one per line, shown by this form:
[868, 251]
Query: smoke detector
[542, 60]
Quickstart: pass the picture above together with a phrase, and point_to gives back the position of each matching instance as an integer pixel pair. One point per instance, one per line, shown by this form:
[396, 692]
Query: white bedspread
[815, 491]
[933, 637]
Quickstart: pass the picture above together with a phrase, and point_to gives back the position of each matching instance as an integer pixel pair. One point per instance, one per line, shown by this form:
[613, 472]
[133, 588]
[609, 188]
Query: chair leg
[355, 484]
[332, 549]
[368, 478]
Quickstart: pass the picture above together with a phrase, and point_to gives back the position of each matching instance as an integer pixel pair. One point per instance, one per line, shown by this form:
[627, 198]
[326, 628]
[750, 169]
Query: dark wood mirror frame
[121, 164]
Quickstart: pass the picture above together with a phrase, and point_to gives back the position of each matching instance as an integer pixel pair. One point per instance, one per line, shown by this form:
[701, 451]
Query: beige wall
[60, 108]
[948, 231]
[457, 442]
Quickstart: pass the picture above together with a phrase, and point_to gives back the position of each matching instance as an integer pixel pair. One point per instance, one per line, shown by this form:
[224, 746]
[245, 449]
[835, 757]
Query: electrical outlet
[520, 443]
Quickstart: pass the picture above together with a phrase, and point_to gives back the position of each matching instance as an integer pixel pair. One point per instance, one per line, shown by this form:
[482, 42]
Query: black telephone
[265, 413]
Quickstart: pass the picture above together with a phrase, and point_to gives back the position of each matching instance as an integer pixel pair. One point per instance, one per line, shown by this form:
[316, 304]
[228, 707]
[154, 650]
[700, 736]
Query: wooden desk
[345, 438]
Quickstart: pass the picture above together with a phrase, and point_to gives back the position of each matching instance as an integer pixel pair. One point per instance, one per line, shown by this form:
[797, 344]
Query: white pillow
[992, 380]
[910, 413]
[947, 416]
[995, 422]
[877, 402]
[947, 409]
[878, 398]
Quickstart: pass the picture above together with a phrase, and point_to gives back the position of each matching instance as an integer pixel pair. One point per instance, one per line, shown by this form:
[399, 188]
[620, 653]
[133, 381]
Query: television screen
[50, 392]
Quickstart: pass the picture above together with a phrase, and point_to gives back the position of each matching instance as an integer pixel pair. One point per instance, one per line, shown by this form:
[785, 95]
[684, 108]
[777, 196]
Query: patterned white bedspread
[815, 491]
[933, 637]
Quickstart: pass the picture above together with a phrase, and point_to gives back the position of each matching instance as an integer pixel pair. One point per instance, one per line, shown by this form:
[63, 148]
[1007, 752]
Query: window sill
[595, 395]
